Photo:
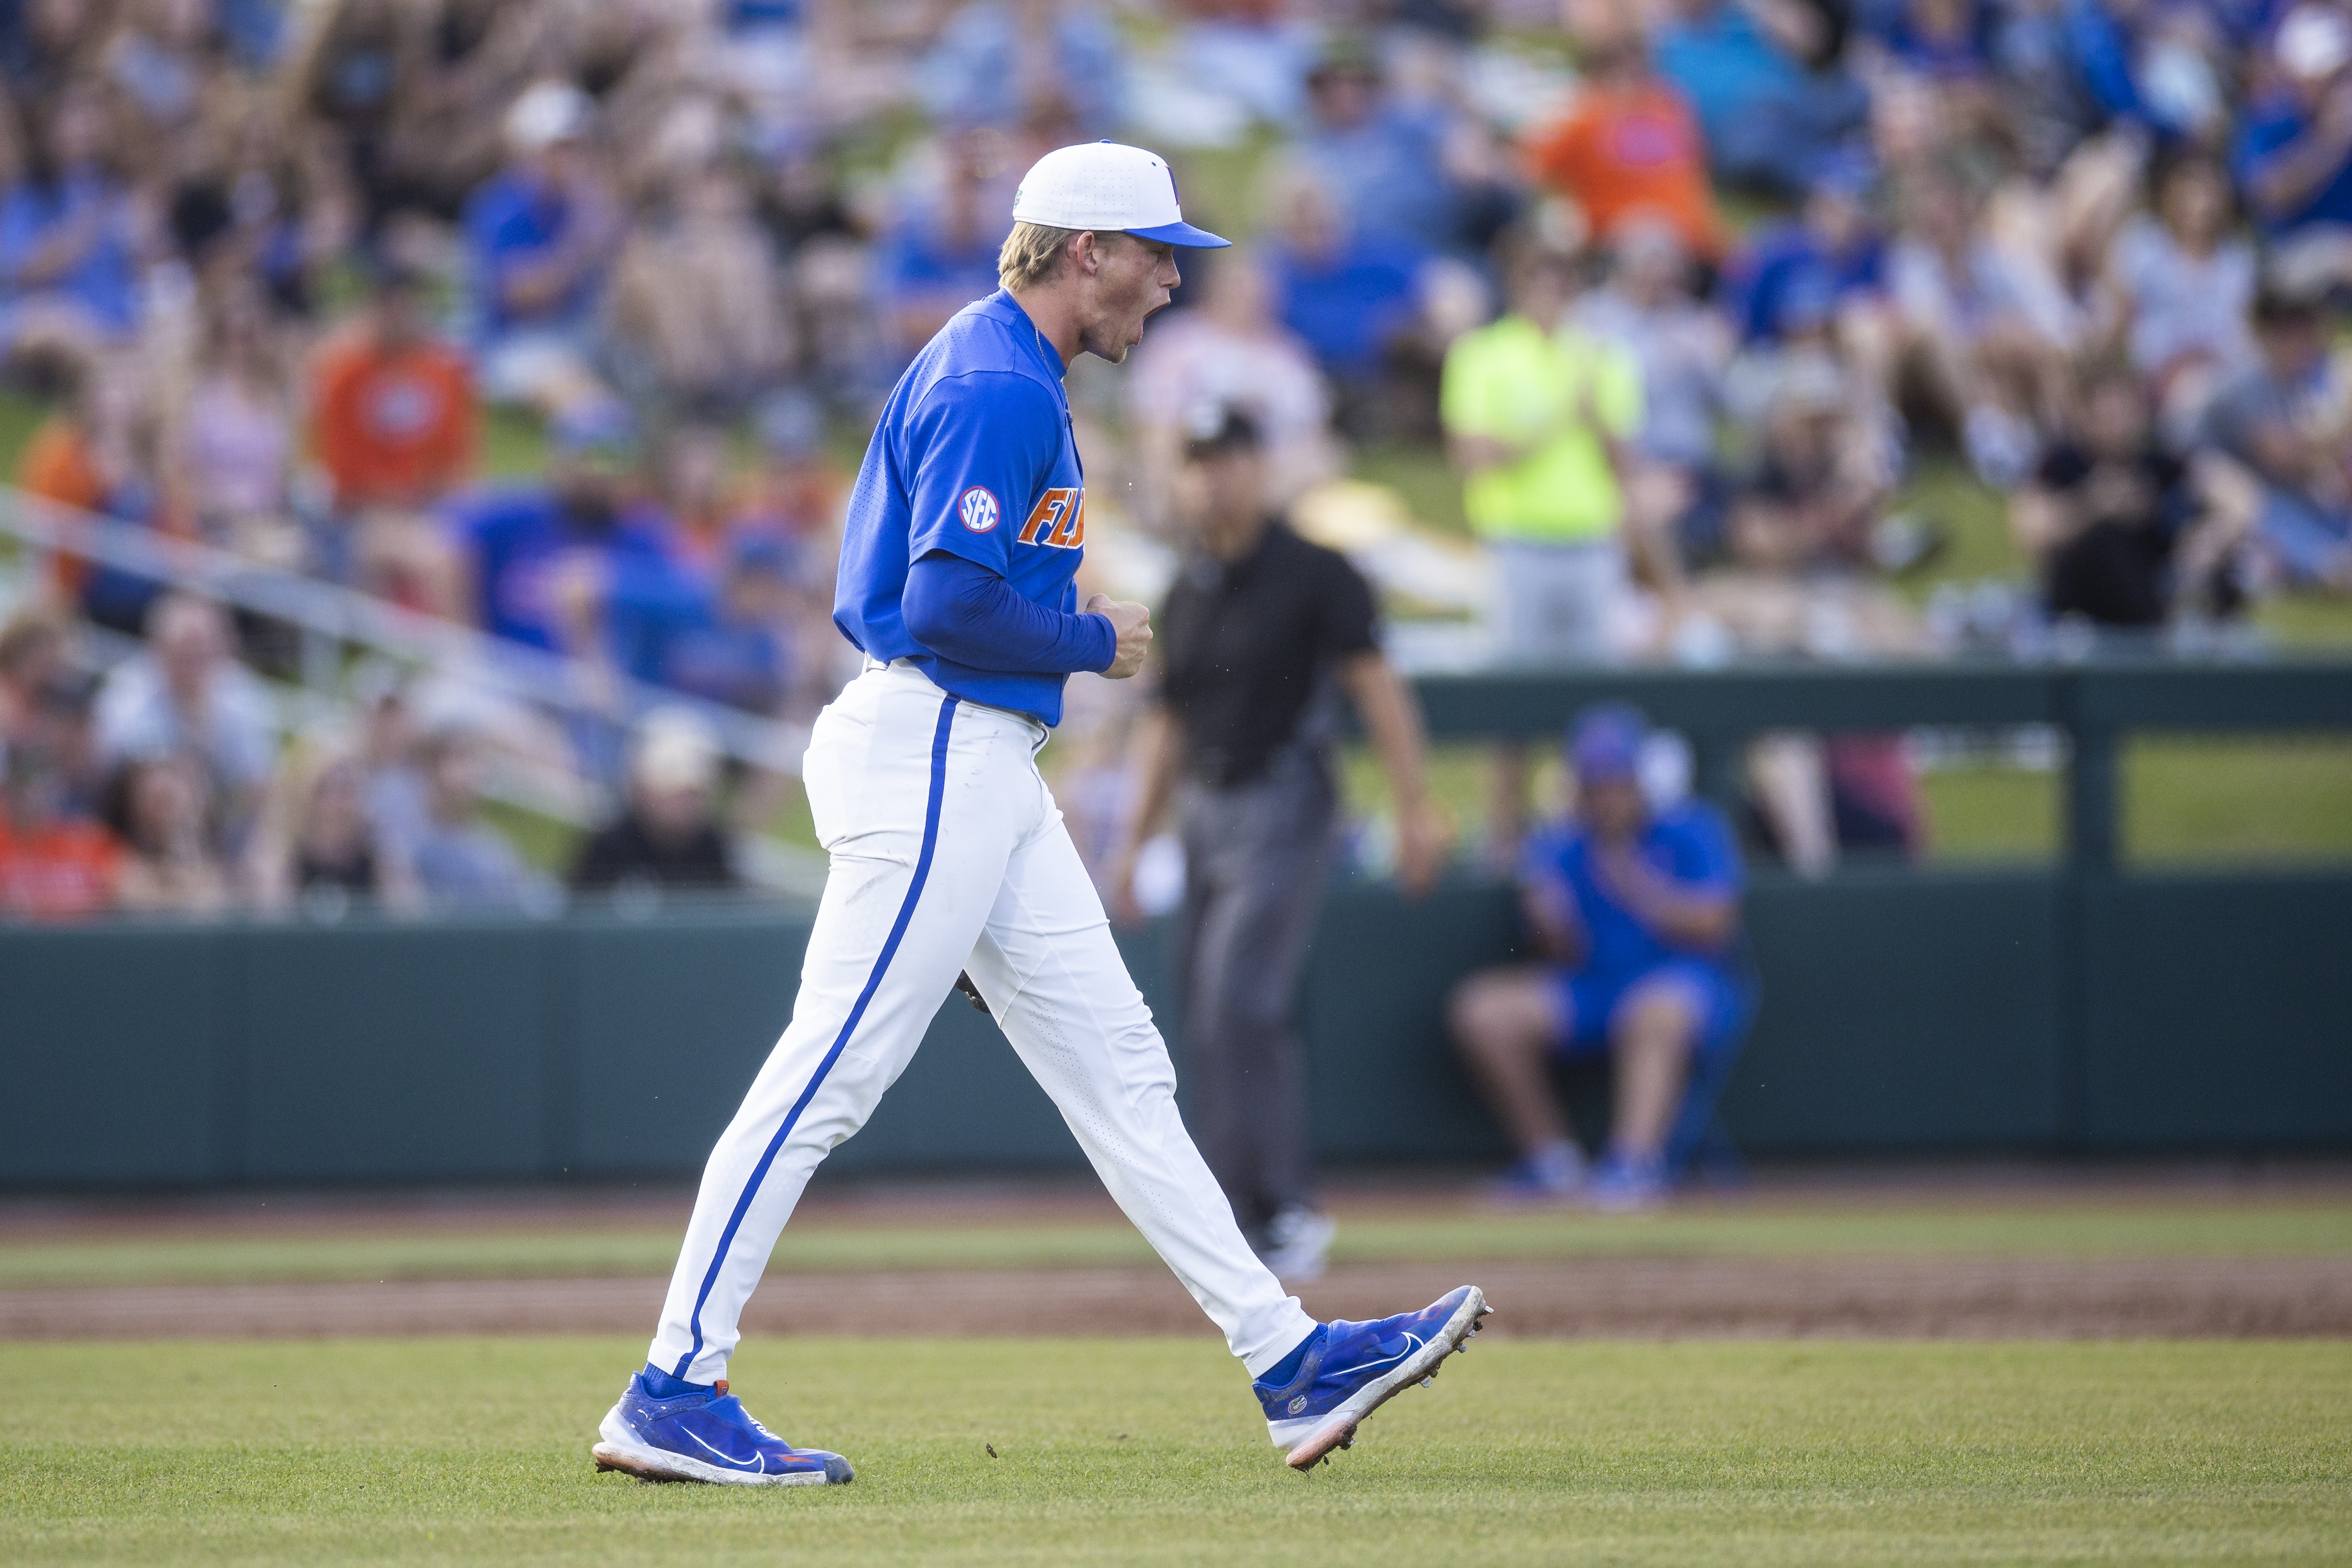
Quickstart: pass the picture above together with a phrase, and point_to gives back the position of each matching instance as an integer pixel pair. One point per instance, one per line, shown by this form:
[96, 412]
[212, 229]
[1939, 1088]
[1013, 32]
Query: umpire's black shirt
[1245, 647]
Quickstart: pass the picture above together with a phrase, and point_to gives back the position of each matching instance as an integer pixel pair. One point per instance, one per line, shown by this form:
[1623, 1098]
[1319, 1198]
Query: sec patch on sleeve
[976, 508]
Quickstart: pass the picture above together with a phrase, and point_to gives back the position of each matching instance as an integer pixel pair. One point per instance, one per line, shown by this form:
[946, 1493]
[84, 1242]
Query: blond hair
[1030, 254]
[1031, 251]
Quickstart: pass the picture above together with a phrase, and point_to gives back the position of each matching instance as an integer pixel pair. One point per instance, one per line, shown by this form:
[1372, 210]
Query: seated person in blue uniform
[1636, 912]
[540, 558]
[727, 641]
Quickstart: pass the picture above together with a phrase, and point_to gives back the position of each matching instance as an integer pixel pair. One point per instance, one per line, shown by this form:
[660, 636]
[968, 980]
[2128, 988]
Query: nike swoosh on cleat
[1416, 1343]
[759, 1460]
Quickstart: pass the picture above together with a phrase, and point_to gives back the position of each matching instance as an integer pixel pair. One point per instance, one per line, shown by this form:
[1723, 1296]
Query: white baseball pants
[950, 854]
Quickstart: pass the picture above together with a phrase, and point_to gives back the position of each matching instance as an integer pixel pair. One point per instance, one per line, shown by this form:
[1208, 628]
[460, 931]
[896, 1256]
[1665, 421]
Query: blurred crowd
[1688, 291]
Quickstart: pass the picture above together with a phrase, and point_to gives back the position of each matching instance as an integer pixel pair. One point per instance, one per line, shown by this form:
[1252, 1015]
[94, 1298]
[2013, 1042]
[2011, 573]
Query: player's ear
[1086, 252]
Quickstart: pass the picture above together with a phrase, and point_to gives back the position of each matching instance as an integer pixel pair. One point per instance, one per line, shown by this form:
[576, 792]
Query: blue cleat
[706, 1438]
[1352, 1369]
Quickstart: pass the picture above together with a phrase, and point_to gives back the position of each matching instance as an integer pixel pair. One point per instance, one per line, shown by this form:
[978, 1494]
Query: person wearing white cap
[667, 834]
[2295, 152]
[950, 865]
[541, 235]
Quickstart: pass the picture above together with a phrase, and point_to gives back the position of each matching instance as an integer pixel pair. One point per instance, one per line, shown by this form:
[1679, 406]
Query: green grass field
[1149, 1451]
[2108, 1227]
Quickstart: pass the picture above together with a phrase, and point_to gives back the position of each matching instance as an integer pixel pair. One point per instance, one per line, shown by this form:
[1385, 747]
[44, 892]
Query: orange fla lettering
[1073, 531]
[1046, 520]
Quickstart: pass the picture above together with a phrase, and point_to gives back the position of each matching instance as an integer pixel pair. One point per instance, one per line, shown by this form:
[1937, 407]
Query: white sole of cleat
[617, 1453]
[1339, 1429]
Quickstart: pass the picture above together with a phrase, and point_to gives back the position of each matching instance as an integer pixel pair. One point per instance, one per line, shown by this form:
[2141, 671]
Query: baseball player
[948, 856]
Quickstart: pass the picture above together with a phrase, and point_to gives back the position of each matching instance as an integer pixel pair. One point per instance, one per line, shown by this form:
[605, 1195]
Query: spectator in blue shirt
[541, 236]
[1257, 56]
[1771, 101]
[995, 63]
[1382, 162]
[254, 30]
[753, 17]
[1636, 912]
[2295, 152]
[69, 261]
[728, 643]
[544, 559]
[941, 254]
[1834, 252]
[1941, 40]
[1355, 300]
[1942, 51]
[2159, 66]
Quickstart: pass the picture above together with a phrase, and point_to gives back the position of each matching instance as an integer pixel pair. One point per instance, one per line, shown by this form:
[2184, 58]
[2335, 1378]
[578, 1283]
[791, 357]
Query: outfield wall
[2009, 1010]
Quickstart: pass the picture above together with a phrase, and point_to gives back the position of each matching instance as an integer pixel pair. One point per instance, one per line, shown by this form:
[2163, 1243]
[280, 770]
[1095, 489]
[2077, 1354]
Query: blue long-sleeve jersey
[974, 457]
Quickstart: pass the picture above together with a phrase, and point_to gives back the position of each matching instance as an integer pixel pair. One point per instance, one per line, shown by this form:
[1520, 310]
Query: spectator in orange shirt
[395, 429]
[60, 461]
[1630, 146]
[395, 407]
[52, 866]
[95, 455]
[60, 466]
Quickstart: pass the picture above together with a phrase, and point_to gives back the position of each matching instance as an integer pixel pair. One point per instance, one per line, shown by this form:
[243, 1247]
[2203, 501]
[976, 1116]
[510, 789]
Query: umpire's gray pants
[1254, 861]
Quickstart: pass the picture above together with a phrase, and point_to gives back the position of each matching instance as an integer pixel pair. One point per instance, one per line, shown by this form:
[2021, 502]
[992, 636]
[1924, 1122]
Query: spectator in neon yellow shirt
[1536, 416]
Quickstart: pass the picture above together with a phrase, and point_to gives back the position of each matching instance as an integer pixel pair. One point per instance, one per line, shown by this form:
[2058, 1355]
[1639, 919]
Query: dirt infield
[1699, 1273]
[1914, 1298]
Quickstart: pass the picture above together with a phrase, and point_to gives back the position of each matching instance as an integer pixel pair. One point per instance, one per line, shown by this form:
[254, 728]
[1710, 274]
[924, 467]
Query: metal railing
[331, 621]
[2094, 702]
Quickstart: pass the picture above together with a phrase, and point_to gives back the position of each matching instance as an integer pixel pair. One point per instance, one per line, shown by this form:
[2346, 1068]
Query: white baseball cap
[547, 113]
[1107, 187]
[677, 748]
[2313, 42]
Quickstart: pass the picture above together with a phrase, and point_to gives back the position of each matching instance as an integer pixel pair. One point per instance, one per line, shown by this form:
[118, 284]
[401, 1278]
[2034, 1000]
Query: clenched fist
[1132, 622]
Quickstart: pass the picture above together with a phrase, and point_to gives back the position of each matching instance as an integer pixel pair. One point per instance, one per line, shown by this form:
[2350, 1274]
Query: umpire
[1259, 635]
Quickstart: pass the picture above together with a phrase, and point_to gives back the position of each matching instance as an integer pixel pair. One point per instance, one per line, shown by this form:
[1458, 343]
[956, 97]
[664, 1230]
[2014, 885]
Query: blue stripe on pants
[849, 1026]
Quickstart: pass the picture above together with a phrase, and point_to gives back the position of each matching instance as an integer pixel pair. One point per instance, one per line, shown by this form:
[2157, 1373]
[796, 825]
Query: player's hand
[1132, 622]
[1423, 840]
